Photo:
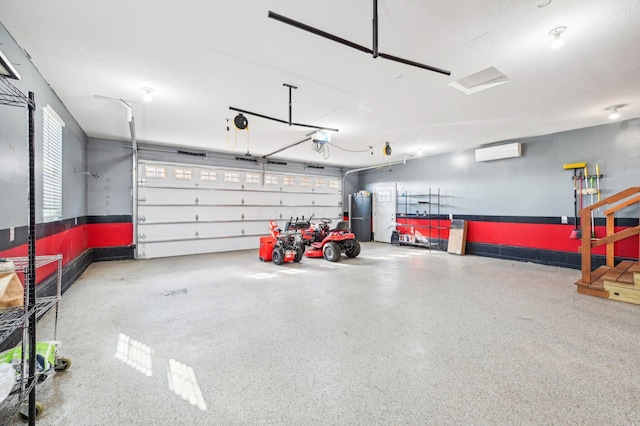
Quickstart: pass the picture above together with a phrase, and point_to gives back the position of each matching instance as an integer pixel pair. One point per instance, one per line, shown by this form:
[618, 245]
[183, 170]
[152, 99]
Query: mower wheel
[331, 252]
[354, 250]
[299, 253]
[278, 255]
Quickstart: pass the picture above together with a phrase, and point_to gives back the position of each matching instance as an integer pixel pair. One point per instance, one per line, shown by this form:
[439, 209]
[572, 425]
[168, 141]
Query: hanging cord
[247, 140]
[321, 148]
[350, 150]
[229, 138]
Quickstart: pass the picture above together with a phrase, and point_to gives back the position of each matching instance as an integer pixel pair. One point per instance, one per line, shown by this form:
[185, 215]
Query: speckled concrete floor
[396, 336]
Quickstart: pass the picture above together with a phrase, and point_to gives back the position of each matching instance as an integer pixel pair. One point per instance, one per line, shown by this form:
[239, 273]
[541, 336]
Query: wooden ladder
[620, 282]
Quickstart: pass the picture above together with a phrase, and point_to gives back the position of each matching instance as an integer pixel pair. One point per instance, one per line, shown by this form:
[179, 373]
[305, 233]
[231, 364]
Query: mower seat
[342, 226]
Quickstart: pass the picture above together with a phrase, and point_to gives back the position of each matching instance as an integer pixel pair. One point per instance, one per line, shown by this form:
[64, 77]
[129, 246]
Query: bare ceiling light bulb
[147, 94]
[615, 114]
[556, 33]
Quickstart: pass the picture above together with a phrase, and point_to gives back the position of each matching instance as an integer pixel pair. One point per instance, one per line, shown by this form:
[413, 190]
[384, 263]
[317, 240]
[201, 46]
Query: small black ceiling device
[356, 46]
[241, 122]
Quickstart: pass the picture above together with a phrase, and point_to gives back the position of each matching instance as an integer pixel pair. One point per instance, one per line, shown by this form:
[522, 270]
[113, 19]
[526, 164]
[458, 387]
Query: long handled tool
[576, 233]
[598, 181]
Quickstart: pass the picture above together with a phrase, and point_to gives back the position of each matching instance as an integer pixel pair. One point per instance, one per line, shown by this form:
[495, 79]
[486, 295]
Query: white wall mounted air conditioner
[510, 150]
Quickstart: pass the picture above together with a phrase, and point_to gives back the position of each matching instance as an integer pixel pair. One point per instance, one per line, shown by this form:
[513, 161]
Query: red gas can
[266, 248]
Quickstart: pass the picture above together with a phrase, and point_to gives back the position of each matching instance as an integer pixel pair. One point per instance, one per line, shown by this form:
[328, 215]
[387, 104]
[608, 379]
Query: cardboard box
[457, 237]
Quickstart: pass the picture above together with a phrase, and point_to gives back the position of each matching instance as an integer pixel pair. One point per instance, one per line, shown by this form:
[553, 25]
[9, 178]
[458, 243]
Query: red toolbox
[266, 248]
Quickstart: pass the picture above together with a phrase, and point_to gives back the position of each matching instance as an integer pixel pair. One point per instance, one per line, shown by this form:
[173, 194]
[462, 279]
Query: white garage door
[188, 209]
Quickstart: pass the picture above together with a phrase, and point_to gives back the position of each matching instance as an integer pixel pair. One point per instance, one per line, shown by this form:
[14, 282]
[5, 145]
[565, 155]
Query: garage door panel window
[305, 181]
[252, 178]
[182, 174]
[271, 179]
[231, 177]
[209, 175]
[155, 172]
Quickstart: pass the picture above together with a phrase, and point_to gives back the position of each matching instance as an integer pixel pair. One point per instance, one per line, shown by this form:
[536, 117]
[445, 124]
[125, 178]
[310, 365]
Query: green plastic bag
[45, 355]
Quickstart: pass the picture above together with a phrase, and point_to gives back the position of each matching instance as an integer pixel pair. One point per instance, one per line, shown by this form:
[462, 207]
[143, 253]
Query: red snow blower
[282, 246]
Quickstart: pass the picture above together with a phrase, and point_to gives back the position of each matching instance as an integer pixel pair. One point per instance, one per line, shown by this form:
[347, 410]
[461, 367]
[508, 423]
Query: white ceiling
[201, 57]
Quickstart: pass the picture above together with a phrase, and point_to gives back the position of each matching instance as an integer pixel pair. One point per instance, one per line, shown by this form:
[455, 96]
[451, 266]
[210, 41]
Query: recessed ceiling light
[556, 33]
[147, 94]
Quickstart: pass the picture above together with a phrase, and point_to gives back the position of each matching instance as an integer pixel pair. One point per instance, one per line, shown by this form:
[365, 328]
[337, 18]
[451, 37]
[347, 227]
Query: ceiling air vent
[510, 150]
[482, 80]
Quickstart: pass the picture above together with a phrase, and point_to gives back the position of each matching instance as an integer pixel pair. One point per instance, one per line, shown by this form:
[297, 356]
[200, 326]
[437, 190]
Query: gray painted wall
[532, 185]
[14, 146]
[110, 193]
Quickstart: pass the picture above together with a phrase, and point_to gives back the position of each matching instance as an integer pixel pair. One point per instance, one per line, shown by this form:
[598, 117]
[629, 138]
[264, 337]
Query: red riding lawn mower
[282, 246]
[330, 243]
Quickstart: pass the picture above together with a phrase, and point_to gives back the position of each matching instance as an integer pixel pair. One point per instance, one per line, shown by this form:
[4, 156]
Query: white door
[188, 209]
[384, 213]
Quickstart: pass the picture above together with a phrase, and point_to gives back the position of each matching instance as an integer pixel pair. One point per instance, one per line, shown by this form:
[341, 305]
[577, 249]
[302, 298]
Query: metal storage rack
[12, 96]
[409, 207]
[15, 318]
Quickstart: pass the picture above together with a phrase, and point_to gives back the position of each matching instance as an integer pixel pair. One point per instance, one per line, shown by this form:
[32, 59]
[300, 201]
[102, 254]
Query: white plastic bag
[7, 380]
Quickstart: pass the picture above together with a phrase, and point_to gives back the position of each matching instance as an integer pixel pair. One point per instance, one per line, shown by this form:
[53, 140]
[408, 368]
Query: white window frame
[210, 175]
[271, 180]
[155, 172]
[334, 184]
[252, 178]
[52, 126]
[231, 177]
[320, 183]
[289, 180]
[305, 181]
[182, 174]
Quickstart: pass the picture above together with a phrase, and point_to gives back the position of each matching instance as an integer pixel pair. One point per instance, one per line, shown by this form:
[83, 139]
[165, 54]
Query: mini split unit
[510, 150]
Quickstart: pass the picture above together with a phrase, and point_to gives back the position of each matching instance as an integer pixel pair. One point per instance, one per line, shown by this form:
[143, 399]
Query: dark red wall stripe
[73, 242]
[109, 234]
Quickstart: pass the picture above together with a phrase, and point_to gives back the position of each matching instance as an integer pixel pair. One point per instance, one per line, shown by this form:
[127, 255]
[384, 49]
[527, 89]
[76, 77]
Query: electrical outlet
[564, 219]
[12, 234]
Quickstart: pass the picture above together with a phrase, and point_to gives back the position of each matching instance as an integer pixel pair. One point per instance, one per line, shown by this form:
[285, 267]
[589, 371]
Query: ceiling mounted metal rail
[290, 122]
[375, 53]
[308, 138]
